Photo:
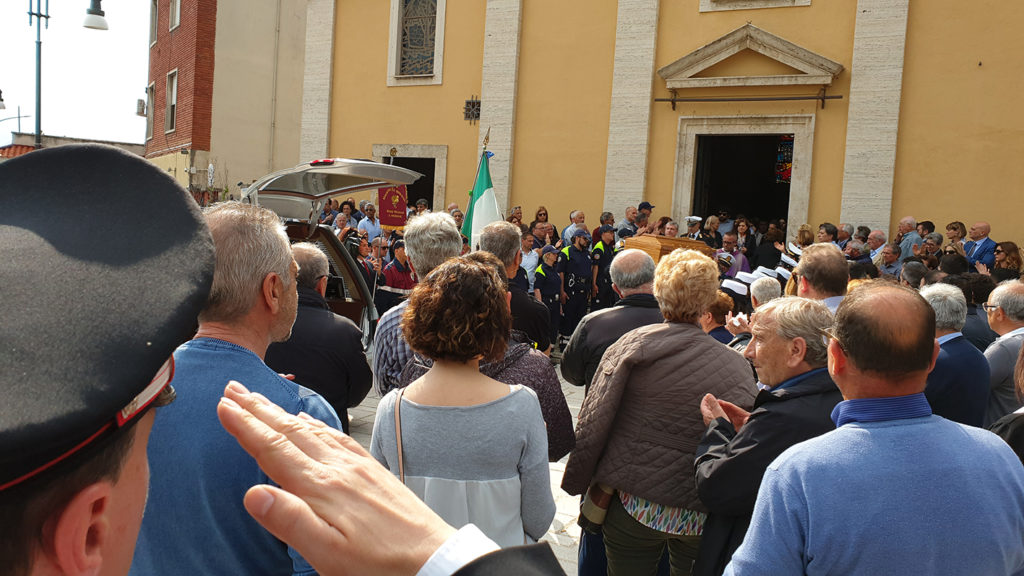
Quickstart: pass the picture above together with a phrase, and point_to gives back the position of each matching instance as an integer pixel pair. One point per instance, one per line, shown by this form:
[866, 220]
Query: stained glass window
[419, 18]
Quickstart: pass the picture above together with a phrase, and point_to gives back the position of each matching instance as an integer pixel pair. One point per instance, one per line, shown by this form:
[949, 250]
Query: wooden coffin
[658, 246]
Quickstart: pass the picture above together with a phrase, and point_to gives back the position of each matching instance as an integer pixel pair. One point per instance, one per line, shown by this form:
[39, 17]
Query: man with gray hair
[843, 234]
[430, 239]
[632, 273]
[528, 315]
[1005, 309]
[957, 387]
[908, 237]
[325, 351]
[199, 474]
[578, 219]
[790, 356]
[876, 239]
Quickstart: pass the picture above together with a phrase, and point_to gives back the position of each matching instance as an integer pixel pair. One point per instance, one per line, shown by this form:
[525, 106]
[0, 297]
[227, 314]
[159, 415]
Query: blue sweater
[899, 495]
[195, 522]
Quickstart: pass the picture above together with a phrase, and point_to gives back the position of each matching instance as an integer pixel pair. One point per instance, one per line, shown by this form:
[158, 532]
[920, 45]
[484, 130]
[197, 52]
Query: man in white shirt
[370, 224]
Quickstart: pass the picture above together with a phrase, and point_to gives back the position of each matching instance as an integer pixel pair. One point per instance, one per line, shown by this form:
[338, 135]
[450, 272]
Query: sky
[91, 78]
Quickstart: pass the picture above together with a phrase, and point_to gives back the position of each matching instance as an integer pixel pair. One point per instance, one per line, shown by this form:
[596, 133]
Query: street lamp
[94, 16]
[93, 19]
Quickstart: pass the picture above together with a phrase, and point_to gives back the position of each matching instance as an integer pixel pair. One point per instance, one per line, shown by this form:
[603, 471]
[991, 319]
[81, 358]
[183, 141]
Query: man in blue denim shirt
[894, 489]
[195, 522]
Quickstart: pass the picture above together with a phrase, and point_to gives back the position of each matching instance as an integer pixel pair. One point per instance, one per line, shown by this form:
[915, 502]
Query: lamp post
[93, 19]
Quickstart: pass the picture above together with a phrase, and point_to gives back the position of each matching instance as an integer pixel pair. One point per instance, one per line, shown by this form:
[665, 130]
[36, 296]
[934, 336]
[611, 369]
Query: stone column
[498, 90]
[873, 122]
[316, 84]
[630, 119]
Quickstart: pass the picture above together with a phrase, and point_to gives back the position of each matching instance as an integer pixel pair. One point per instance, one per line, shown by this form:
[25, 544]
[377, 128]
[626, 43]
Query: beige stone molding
[630, 116]
[876, 80]
[815, 69]
[395, 48]
[316, 82]
[801, 126]
[720, 5]
[439, 152]
[500, 78]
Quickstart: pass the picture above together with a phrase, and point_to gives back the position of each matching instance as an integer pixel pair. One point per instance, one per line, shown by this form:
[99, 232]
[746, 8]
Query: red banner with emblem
[391, 203]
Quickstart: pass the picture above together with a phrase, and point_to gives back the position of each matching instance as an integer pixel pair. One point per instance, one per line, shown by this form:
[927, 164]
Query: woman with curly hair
[474, 449]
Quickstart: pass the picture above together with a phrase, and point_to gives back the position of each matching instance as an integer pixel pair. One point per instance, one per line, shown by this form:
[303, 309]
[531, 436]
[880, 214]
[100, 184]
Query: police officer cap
[605, 228]
[106, 263]
[549, 249]
[580, 232]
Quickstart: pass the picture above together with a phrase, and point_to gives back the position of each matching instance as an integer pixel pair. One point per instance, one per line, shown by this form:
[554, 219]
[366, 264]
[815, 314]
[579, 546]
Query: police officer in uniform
[602, 255]
[576, 269]
[547, 287]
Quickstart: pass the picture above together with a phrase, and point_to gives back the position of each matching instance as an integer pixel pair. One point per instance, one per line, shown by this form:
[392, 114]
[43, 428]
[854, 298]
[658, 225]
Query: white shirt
[461, 548]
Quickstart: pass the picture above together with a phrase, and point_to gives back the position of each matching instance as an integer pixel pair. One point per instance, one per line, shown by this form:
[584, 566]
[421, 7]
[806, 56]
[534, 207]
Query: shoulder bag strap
[398, 435]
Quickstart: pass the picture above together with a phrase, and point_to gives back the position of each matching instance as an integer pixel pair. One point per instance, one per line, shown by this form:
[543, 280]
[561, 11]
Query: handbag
[594, 507]
[398, 435]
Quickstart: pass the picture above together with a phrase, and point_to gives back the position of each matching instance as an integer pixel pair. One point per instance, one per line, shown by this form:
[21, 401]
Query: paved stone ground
[564, 534]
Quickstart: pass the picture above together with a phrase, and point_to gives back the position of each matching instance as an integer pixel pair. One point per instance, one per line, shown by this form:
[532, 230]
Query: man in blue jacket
[195, 521]
[980, 248]
[894, 489]
[958, 386]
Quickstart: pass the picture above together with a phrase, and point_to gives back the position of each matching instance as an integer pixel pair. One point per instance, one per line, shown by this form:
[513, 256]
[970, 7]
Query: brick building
[225, 90]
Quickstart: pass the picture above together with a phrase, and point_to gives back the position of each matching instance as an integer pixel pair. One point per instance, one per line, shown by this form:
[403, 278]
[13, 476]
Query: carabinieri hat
[105, 263]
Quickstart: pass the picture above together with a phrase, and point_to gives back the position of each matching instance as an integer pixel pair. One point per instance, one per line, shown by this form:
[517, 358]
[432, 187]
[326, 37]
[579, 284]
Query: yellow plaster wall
[566, 57]
[366, 111]
[826, 27]
[961, 133]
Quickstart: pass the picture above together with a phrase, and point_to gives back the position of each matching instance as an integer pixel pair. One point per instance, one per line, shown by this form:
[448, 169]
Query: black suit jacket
[599, 330]
[535, 560]
[325, 353]
[730, 464]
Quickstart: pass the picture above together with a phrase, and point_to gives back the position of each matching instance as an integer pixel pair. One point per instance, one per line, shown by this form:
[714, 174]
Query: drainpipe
[273, 89]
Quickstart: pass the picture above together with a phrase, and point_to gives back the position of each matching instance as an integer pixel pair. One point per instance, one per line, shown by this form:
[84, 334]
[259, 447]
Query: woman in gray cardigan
[640, 425]
[474, 449]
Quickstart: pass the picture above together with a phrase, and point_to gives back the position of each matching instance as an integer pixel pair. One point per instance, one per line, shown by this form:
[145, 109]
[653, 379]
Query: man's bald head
[632, 272]
[979, 230]
[886, 330]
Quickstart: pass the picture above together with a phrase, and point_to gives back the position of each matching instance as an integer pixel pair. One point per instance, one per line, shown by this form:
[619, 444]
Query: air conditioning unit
[140, 107]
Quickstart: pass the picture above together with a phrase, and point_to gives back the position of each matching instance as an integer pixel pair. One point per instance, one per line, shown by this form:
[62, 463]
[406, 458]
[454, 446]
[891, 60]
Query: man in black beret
[195, 522]
[91, 316]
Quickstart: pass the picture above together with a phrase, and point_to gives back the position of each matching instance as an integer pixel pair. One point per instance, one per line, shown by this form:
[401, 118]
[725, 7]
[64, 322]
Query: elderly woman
[474, 449]
[638, 429]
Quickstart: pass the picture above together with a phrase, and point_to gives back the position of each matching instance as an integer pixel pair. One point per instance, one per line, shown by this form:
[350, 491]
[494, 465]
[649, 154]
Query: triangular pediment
[810, 68]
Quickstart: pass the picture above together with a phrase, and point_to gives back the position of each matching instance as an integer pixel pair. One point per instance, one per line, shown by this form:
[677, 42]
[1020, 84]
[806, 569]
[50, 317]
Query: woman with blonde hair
[711, 229]
[498, 477]
[645, 395]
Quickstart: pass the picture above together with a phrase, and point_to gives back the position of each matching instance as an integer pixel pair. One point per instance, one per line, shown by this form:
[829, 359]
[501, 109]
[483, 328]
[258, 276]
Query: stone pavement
[564, 534]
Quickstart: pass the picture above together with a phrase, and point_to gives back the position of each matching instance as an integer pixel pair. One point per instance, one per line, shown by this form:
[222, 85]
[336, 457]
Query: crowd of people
[762, 405]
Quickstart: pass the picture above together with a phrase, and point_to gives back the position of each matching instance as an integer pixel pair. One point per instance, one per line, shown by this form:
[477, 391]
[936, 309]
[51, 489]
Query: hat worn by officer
[95, 301]
[580, 233]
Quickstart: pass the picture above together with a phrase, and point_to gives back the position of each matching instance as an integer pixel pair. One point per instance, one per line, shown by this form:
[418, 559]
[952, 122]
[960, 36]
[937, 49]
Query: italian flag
[483, 206]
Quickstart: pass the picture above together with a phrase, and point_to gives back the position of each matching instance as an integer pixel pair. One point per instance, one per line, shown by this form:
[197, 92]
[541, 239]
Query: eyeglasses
[950, 251]
[542, 213]
[829, 334]
[989, 307]
[998, 251]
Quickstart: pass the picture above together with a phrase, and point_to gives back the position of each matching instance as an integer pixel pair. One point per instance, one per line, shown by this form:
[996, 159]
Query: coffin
[658, 246]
